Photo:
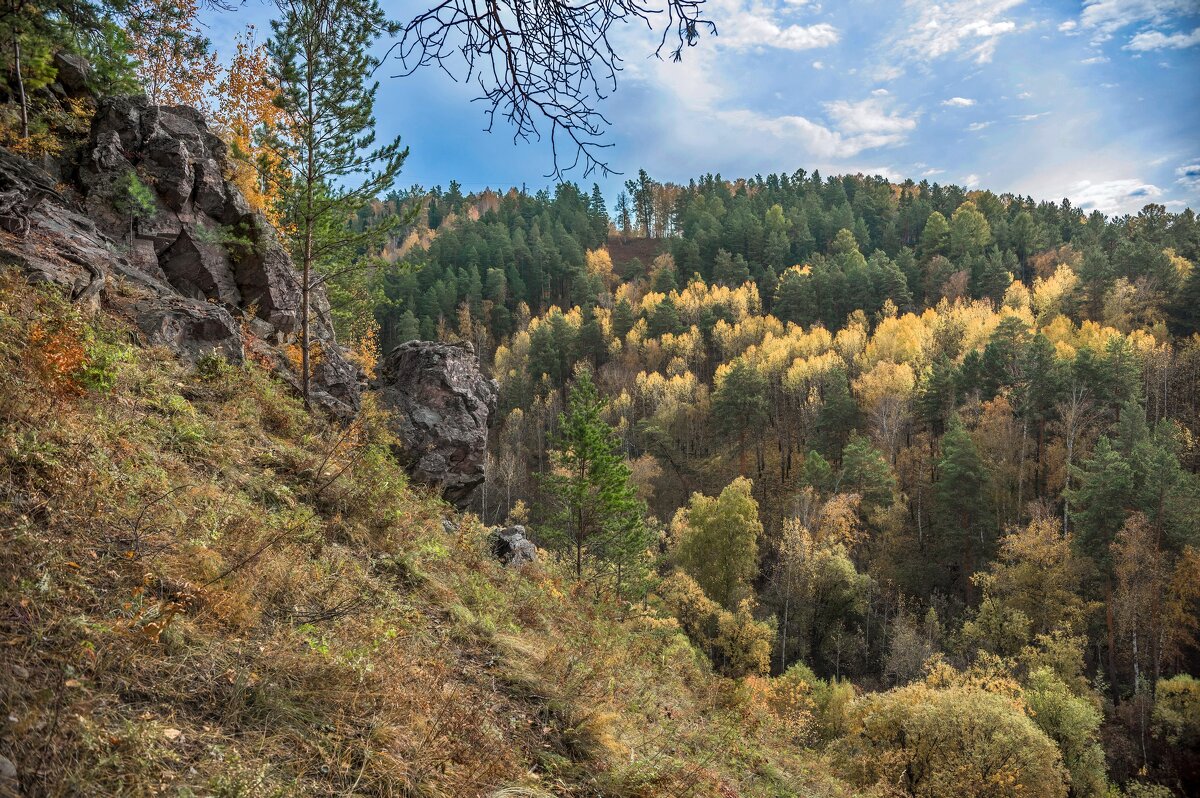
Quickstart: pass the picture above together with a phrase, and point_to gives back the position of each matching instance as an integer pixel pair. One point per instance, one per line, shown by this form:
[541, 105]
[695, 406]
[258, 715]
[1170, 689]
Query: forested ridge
[964, 423]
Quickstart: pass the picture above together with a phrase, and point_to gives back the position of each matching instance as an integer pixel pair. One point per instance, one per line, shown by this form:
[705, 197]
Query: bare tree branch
[544, 65]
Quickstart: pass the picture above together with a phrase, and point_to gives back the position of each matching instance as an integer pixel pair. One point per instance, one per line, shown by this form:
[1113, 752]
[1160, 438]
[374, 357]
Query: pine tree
[599, 517]
[599, 215]
[935, 237]
[936, 399]
[959, 506]
[730, 270]
[866, 472]
[739, 405]
[969, 231]
[132, 199]
[322, 62]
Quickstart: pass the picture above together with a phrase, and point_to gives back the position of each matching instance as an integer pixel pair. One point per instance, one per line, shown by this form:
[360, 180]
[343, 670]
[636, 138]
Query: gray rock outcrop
[443, 406]
[511, 547]
[192, 271]
[51, 239]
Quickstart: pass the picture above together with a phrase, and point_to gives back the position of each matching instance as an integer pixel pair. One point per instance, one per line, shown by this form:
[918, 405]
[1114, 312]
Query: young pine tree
[322, 62]
[599, 516]
[133, 200]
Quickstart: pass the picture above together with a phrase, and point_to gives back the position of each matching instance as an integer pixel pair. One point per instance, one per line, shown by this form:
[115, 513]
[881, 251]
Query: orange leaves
[295, 355]
[366, 350]
[173, 62]
[58, 356]
[246, 109]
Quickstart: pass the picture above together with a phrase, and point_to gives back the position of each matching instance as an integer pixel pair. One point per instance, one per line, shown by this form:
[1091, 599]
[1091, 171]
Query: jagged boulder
[74, 74]
[190, 328]
[443, 405]
[511, 547]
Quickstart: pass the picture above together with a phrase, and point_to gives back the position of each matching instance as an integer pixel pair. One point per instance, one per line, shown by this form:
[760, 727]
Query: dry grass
[204, 591]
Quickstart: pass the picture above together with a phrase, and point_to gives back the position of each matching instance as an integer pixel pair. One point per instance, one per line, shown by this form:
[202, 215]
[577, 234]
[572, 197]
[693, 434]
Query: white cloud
[870, 121]
[843, 140]
[932, 172]
[757, 25]
[1031, 117]
[1024, 95]
[959, 102]
[1154, 40]
[1109, 85]
[702, 88]
[818, 65]
[975, 127]
[971, 180]
[942, 29]
[983, 28]
[1113, 196]
[1069, 25]
[855, 127]
[1189, 176]
[886, 172]
[1096, 59]
[880, 93]
[1105, 17]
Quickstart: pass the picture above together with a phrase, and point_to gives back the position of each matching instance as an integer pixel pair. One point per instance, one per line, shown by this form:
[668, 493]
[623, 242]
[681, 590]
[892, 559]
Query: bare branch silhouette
[544, 66]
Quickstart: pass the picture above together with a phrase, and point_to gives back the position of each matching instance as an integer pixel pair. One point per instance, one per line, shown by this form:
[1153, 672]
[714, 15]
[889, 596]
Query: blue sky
[1097, 101]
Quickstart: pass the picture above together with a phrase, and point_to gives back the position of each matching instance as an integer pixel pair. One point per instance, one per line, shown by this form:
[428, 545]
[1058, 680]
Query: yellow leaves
[886, 381]
[839, 523]
[851, 339]
[366, 350]
[802, 375]
[1050, 293]
[735, 339]
[599, 263]
[687, 346]
[656, 392]
[1183, 266]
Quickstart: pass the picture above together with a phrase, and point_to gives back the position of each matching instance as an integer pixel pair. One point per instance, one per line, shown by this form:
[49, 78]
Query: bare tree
[544, 66]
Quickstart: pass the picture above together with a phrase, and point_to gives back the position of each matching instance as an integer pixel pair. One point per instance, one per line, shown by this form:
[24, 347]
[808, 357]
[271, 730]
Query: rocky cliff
[202, 273]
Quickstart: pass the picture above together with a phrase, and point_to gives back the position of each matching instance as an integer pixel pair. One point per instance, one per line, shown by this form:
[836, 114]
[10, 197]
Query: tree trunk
[21, 87]
[305, 289]
[310, 178]
[1021, 467]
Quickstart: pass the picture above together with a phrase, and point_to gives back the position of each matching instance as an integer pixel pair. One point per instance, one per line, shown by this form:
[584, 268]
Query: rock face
[443, 405]
[190, 273]
[48, 237]
[511, 547]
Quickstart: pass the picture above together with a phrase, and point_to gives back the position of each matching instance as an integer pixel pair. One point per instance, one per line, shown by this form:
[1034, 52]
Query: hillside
[207, 591]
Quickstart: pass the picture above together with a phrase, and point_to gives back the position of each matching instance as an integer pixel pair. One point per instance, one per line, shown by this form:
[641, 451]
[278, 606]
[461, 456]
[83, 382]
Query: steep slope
[205, 591]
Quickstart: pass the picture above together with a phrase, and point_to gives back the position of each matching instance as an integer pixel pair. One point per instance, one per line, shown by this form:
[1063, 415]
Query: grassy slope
[205, 592]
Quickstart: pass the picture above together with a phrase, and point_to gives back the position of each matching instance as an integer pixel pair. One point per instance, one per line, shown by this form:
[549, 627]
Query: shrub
[1176, 715]
[926, 742]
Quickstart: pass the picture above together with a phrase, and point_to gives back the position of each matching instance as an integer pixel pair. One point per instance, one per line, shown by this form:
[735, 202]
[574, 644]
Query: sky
[1096, 101]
